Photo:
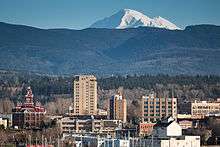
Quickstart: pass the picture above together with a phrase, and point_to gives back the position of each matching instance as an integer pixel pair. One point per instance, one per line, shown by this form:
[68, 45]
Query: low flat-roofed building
[73, 125]
[145, 128]
[203, 108]
[184, 141]
[186, 124]
[184, 116]
[102, 112]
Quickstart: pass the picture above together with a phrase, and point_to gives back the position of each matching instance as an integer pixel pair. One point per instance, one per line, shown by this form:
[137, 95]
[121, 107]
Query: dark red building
[28, 114]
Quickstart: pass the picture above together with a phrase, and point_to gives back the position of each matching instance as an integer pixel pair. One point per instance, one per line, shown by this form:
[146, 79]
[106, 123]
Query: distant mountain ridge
[127, 18]
[142, 50]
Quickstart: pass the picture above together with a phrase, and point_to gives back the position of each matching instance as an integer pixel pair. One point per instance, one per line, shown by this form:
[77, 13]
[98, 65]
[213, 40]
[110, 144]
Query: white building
[168, 133]
[167, 128]
[4, 122]
[102, 112]
[185, 141]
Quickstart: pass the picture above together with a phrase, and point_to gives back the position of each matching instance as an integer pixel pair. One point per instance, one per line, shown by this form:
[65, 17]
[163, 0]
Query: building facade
[71, 125]
[118, 107]
[85, 95]
[167, 127]
[184, 141]
[154, 108]
[4, 122]
[145, 128]
[28, 114]
[203, 108]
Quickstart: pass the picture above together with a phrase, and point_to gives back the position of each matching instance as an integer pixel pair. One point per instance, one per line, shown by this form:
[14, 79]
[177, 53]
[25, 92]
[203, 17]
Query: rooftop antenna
[172, 92]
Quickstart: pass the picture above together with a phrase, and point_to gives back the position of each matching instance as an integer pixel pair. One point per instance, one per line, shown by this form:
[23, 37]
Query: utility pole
[152, 137]
[58, 143]
[133, 142]
[113, 141]
[81, 140]
[30, 140]
[50, 140]
[42, 139]
[104, 142]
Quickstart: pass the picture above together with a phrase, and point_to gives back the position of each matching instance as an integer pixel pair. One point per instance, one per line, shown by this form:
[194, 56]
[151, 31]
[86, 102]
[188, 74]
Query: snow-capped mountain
[127, 18]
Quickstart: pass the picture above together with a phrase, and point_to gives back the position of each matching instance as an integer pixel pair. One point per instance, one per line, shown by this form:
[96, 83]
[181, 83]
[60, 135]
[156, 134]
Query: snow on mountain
[127, 18]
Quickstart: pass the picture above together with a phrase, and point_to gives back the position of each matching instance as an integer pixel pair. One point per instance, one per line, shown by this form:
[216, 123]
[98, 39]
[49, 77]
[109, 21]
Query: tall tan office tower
[85, 95]
[118, 106]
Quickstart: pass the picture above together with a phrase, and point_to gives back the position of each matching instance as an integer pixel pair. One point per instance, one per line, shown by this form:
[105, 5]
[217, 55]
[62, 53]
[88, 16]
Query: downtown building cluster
[84, 116]
[159, 119]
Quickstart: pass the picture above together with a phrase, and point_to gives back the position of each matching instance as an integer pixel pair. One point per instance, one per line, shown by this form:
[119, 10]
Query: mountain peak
[128, 18]
[130, 11]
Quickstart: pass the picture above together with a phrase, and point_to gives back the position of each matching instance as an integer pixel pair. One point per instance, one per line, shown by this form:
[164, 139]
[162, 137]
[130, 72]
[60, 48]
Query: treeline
[149, 81]
[13, 85]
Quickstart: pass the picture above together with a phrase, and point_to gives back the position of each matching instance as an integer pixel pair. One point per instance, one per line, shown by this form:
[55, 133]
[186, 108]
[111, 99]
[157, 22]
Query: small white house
[4, 122]
[167, 128]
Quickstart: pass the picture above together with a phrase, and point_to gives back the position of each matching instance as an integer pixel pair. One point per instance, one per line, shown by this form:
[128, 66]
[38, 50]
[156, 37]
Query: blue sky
[79, 14]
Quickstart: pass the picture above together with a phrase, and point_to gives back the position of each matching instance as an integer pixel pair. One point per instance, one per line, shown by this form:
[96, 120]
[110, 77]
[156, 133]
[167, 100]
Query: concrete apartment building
[85, 95]
[154, 108]
[89, 125]
[202, 108]
[118, 107]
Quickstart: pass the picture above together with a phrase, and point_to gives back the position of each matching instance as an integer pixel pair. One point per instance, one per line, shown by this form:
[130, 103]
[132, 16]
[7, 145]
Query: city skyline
[81, 14]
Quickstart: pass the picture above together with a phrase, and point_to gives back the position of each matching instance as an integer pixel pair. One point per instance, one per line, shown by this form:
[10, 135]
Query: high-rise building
[118, 107]
[154, 108]
[85, 95]
[28, 115]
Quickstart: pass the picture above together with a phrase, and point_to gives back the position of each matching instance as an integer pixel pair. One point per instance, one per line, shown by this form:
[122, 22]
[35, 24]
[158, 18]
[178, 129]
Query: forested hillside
[143, 50]
[57, 89]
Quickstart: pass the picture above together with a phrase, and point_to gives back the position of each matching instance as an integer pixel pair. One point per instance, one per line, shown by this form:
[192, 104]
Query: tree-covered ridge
[194, 50]
[149, 81]
[51, 85]
[56, 91]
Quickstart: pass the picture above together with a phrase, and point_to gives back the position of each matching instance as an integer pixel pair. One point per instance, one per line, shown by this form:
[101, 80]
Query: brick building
[28, 114]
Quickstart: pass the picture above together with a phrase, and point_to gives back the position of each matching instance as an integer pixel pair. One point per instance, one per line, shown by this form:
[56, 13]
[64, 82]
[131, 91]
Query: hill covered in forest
[143, 50]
